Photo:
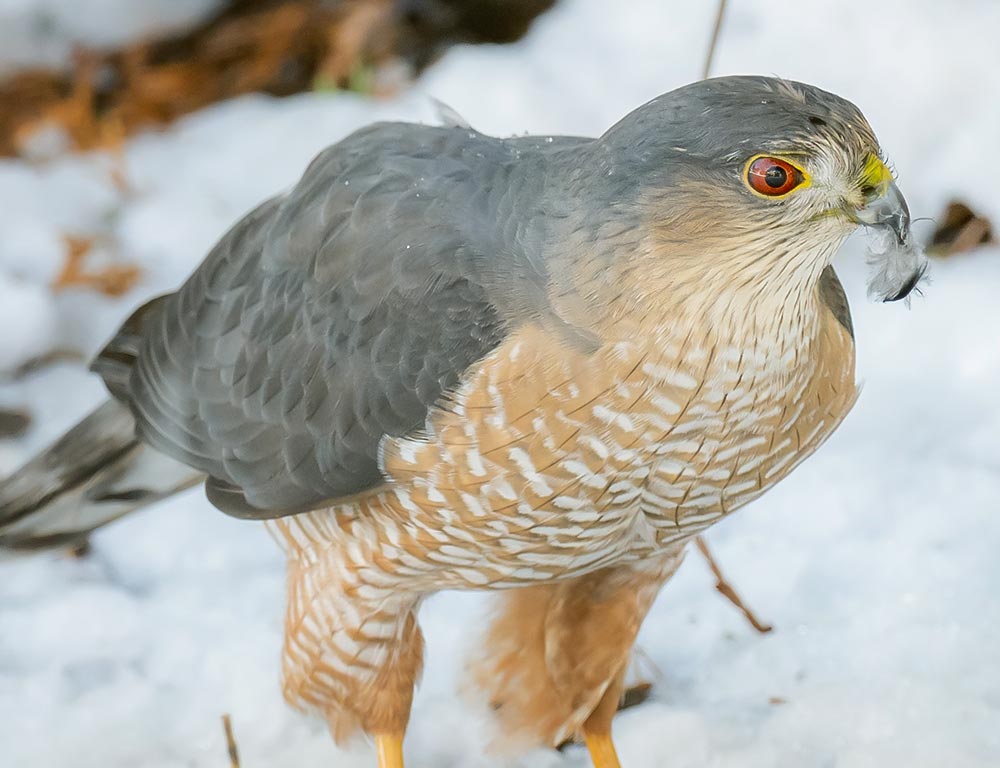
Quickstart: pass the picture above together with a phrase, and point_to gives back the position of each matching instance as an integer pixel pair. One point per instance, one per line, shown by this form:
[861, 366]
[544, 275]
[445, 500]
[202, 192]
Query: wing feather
[341, 313]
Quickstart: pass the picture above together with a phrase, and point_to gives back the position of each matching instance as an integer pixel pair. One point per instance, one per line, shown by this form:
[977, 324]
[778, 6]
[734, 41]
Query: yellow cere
[876, 174]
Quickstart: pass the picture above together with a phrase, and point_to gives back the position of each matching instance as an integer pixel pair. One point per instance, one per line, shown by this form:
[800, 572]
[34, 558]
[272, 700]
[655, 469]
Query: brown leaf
[280, 47]
[113, 280]
[635, 695]
[960, 230]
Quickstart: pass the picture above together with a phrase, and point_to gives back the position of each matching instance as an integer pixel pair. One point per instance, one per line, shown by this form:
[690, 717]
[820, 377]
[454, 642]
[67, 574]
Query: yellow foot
[602, 750]
[389, 748]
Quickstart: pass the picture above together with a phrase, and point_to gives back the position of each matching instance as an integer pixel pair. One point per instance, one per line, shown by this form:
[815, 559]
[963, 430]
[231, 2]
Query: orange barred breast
[551, 461]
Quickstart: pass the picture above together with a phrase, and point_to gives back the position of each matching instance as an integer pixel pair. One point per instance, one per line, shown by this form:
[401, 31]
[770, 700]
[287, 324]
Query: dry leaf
[280, 47]
[960, 230]
[112, 280]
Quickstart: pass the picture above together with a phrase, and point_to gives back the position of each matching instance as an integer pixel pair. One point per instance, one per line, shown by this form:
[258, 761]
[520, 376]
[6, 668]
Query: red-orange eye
[773, 177]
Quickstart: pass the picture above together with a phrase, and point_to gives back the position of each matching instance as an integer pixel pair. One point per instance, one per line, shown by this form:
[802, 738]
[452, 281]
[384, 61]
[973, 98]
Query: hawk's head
[758, 170]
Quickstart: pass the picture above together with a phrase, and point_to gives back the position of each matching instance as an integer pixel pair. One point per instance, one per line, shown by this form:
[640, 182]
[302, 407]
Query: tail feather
[92, 475]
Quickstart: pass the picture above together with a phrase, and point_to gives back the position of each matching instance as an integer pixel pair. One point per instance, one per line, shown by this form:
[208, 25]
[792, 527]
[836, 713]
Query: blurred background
[134, 132]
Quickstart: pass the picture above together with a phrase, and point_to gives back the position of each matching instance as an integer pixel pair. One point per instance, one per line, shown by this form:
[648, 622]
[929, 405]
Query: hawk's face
[836, 175]
[765, 173]
[826, 176]
[819, 190]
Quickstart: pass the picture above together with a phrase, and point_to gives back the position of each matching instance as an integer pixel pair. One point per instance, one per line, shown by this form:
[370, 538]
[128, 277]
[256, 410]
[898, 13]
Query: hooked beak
[901, 265]
[887, 210]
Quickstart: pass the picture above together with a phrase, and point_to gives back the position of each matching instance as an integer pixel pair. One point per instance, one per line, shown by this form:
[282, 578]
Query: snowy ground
[876, 560]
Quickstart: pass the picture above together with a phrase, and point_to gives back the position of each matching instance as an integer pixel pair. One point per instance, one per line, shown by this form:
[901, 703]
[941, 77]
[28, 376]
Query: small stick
[720, 14]
[234, 755]
[723, 586]
[726, 589]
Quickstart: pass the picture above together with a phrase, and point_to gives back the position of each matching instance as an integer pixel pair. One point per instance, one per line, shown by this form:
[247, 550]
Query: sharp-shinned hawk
[451, 361]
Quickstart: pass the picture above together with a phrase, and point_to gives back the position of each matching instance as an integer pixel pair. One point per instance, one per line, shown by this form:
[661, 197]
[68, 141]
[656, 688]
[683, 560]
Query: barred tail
[93, 474]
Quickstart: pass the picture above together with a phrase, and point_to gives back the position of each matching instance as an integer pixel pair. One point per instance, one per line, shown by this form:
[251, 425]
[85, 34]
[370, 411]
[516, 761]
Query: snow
[876, 560]
[27, 307]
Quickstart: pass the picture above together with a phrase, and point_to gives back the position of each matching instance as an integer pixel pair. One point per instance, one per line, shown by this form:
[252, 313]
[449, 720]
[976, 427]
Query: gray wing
[339, 314]
[833, 295]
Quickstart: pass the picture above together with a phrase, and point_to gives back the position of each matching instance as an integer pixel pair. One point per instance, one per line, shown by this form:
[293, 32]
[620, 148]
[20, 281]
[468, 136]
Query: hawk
[540, 365]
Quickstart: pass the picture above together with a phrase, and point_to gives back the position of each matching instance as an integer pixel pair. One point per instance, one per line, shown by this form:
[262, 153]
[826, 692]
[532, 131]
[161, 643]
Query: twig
[719, 16]
[726, 589]
[234, 755]
[721, 584]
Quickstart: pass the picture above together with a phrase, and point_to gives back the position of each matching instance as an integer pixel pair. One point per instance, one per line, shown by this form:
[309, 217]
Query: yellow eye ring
[774, 177]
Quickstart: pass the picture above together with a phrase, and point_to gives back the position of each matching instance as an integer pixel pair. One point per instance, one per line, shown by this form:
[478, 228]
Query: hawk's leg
[597, 728]
[555, 657]
[353, 648]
